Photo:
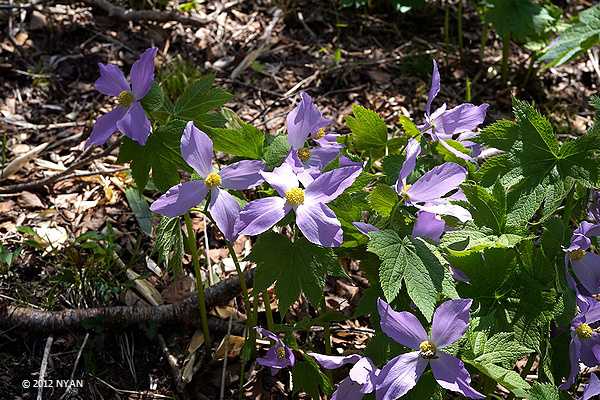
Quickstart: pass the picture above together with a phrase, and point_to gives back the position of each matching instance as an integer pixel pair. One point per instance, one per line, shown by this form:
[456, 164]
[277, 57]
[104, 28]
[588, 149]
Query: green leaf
[508, 378]
[410, 261]
[245, 141]
[161, 154]
[545, 391]
[302, 270]
[169, 242]
[308, 378]
[501, 135]
[488, 209]
[576, 39]
[409, 127]
[503, 350]
[522, 19]
[369, 132]
[276, 151]
[153, 100]
[198, 100]
[383, 199]
[140, 208]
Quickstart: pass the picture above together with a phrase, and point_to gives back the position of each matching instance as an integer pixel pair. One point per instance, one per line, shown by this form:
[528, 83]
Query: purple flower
[129, 116]
[594, 209]
[585, 264]
[365, 228]
[279, 356]
[429, 192]
[317, 222]
[401, 374]
[303, 121]
[307, 163]
[197, 151]
[361, 379]
[428, 225]
[592, 388]
[585, 342]
[457, 123]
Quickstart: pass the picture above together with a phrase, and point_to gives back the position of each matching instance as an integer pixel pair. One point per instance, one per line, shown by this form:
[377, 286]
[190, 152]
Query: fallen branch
[123, 14]
[33, 320]
[67, 173]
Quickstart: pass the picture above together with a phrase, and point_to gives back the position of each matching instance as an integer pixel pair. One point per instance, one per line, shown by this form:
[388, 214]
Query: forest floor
[65, 236]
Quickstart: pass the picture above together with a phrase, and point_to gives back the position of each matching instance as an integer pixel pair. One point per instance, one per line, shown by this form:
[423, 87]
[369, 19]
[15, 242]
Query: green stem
[268, 311]
[199, 284]
[468, 96]
[505, 55]
[484, 40]
[242, 279]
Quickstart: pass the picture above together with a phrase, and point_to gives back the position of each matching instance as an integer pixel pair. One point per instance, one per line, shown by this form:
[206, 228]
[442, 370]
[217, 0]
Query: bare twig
[123, 14]
[85, 339]
[42, 374]
[56, 177]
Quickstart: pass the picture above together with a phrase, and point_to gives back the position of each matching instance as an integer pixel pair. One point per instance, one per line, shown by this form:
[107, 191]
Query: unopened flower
[279, 356]
[315, 219]
[401, 374]
[197, 151]
[128, 116]
[585, 342]
[361, 379]
[458, 123]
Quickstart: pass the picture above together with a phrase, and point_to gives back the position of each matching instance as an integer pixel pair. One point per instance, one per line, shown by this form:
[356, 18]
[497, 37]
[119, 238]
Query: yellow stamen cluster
[125, 98]
[280, 353]
[403, 193]
[577, 254]
[295, 196]
[584, 331]
[212, 180]
[320, 134]
[427, 349]
[304, 154]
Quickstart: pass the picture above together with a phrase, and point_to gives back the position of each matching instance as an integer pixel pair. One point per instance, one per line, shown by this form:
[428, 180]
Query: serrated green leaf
[545, 391]
[245, 141]
[488, 209]
[198, 100]
[383, 199]
[308, 378]
[140, 208]
[408, 126]
[169, 242]
[508, 378]
[523, 20]
[576, 39]
[410, 261]
[501, 135]
[302, 270]
[502, 349]
[369, 132]
[153, 100]
[276, 151]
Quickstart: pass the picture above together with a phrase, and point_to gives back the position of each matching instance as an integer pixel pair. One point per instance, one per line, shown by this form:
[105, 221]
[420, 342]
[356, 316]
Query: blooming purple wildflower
[428, 225]
[365, 228]
[315, 219]
[279, 356]
[457, 123]
[197, 151]
[429, 192]
[401, 374]
[129, 116]
[592, 388]
[361, 378]
[303, 121]
[586, 265]
[585, 342]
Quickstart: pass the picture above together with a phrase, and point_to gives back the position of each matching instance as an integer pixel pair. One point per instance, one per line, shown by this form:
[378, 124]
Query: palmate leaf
[245, 141]
[309, 378]
[199, 101]
[296, 268]
[576, 39]
[488, 207]
[369, 132]
[411, 261]
[545, 391]
[169, 242]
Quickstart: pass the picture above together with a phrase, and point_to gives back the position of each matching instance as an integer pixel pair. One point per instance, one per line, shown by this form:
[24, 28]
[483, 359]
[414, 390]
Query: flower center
[295, 196]
[125, 98]
[427, 349]
[404, 193]
[577, 254]
[304, 154]
[320, 134]
[280, 353]
[212, 180]
[584, 331]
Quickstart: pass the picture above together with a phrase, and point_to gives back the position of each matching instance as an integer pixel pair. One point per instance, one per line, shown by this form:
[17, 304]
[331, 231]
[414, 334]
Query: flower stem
[505, 56]
[199, 284]
[242, 279]
[268, 311]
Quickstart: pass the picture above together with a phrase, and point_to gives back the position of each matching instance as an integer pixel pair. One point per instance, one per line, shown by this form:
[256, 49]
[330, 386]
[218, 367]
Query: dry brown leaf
[19, 162]
[30, 200]
[145, 288]
[6, 206]
[178, 290]
[196, 341]
[21, 38]
[232, 345]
